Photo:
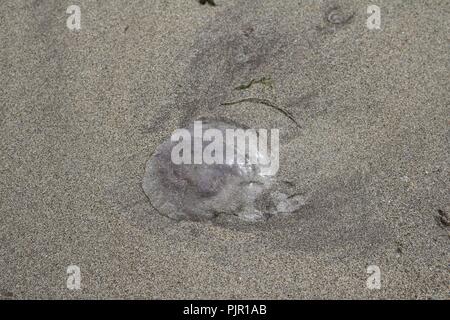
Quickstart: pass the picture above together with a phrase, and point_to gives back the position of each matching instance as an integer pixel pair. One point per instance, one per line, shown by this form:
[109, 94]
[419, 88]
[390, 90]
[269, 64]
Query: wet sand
[82, 112]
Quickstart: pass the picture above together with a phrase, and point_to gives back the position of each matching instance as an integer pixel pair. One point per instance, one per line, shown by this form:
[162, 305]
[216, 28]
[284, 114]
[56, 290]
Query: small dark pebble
[210, 2]
[443, 218]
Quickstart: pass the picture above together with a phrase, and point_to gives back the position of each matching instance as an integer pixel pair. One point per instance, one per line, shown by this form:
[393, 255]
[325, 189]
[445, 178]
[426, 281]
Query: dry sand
[82, 111]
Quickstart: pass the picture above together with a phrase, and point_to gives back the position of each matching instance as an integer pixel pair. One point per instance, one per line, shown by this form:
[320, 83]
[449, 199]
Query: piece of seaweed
[267, 103]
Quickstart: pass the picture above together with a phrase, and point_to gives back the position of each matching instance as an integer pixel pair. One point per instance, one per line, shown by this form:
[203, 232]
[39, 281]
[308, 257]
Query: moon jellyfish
[228, 189]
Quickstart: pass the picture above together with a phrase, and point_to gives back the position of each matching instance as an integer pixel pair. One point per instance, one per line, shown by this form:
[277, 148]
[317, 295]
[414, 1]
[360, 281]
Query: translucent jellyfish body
[203, 191]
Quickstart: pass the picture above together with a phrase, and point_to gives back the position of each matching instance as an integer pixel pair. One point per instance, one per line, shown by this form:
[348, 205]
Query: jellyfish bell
[187, 179]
